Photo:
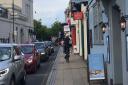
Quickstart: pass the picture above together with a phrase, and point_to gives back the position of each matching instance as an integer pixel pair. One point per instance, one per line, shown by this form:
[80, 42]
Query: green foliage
[45, 33]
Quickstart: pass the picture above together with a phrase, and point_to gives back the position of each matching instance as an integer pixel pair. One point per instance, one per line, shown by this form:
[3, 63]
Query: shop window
[98, 35]
[97, 20]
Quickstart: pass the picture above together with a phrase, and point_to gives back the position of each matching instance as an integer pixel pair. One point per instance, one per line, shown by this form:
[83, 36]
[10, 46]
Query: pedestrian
[67, 48]
[62, 42]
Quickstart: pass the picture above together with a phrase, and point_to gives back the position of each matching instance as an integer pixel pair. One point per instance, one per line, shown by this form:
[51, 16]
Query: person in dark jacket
[67, 48]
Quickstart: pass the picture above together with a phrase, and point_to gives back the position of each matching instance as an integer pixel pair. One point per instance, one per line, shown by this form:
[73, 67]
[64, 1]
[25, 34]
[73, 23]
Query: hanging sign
[78, 15]
[96, 67]
[66, 28]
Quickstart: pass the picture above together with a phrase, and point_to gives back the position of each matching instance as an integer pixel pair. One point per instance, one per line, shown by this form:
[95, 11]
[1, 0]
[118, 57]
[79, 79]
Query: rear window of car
[27, 49]
[39, 45]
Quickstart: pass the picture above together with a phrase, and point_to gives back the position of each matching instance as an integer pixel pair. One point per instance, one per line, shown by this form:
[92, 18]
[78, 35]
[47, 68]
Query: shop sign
[78, 15]
[96, 67]
[66, 28]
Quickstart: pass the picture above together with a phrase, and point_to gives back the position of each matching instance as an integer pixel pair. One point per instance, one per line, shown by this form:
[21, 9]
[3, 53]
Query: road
[41, 76]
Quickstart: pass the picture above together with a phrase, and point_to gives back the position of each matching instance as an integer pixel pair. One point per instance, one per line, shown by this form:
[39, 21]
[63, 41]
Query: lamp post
[13, 37]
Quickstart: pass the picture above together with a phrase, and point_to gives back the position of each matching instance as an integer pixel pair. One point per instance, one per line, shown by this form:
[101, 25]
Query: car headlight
[42, 53]
[4, 72]
[30, 60]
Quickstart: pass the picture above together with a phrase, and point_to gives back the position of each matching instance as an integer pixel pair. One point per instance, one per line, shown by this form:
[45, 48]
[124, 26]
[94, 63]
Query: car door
[36, 55]
[18, 64]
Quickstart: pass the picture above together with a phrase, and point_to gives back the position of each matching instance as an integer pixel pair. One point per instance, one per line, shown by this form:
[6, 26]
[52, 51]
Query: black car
[42, 50]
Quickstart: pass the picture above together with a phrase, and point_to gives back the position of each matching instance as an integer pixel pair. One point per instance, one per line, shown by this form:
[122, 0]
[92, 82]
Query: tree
[56, 28]
[40, 30]
[45, 33]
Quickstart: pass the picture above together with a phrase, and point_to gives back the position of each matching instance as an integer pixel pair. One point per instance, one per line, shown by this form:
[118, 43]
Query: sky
[50, 10]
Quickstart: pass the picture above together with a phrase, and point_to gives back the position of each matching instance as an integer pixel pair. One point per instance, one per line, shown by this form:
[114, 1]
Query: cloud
[50, 10]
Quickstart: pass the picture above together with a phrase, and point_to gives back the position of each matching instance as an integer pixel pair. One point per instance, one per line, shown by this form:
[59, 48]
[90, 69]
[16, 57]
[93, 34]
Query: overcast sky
[50, 10]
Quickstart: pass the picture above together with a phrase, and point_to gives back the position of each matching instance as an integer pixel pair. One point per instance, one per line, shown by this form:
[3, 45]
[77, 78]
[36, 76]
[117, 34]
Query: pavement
[73, 73]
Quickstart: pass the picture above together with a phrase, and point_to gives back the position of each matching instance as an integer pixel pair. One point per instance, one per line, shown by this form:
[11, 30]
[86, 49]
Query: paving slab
[73, 73]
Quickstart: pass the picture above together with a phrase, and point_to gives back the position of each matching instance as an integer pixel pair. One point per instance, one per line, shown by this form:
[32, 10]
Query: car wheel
[12, 82]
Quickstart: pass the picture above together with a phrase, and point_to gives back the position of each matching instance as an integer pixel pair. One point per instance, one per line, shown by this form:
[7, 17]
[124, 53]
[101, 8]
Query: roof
[7, 45]
[26, 44]
[38, 42]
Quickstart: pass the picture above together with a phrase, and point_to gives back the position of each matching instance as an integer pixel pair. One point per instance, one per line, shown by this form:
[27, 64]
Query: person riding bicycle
[67, 48]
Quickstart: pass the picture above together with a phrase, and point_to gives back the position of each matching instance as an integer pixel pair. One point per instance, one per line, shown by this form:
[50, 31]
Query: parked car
[42, 50]
[11, 65]
[31, 57]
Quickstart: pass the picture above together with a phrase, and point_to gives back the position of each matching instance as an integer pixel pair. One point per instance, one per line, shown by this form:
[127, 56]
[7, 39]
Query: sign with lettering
[78, 15]
[66, 28]
[96, 67]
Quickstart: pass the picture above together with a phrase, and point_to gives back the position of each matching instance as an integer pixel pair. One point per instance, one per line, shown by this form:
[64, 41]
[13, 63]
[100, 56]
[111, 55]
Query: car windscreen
[39, 45]
[27, 49]
[5, 53]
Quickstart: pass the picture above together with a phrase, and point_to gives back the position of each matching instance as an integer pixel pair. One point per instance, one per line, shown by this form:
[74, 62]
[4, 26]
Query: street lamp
[13, 37]
[103, 28]
[123, 23]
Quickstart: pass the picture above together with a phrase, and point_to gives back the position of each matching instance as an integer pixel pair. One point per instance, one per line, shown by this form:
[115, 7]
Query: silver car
[11, 65]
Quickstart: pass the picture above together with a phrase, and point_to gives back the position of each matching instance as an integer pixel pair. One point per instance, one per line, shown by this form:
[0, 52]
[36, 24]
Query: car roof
[26, 44]
[8, 45]
[38, 42]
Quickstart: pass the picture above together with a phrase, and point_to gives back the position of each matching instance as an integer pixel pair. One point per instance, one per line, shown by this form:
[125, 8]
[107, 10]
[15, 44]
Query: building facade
[113, 43]
[21, 30]
[78, 26]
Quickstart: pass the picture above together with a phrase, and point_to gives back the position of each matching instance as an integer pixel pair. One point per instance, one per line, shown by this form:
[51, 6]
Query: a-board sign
[96, 67]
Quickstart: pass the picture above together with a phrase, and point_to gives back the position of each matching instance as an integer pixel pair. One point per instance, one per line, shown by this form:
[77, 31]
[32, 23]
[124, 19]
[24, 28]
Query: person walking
[67, 48]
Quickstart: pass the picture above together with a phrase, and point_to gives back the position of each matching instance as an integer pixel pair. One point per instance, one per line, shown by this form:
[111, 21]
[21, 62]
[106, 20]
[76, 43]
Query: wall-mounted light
[103, 28]
[123, 23]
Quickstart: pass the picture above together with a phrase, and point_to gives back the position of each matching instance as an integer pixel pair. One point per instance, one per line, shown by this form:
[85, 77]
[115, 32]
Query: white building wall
[80, 37]
[84, 10]
[26, 11]
[4, 28]
[77, 37]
